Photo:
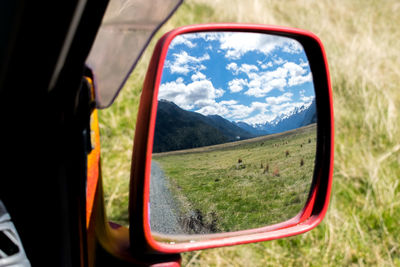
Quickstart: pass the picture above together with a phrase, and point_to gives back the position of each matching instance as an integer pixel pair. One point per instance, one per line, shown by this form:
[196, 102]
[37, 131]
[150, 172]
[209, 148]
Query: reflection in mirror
[235, 137]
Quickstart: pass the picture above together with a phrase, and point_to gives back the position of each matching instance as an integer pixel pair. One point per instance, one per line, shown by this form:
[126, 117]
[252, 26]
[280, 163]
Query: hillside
[178, 129]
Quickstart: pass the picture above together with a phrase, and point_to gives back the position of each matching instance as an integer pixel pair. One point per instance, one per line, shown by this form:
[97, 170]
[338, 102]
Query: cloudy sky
[248, 77]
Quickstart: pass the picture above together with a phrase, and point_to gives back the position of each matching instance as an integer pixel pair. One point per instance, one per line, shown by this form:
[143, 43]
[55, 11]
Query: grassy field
[362, 40]
[216, 193]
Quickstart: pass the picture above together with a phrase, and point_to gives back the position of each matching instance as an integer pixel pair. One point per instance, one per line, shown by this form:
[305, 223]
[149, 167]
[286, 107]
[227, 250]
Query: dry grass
[362, 40]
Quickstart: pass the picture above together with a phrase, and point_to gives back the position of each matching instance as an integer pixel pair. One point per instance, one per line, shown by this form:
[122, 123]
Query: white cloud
[275, 100]
[233, 67]
[288, 74]
[266, 65]
[262, 113]
[307, 99]
[296, 74]
[296, 80]
[236, 85]
[198, 93]
[183, 63]
[304, 98]
[237, 44]
[213, 108]
[227, 109]
[245, 68]
[198, 76]
[294, 69]
[257, 112]
[208, 36]
[182, 39]
[279, 61]
[189, 39]
[176, 68]
[292, 47]
[304, 64]
[259, 106]
[240, 111]
[262, 83]
[228, 102]
[279, 83]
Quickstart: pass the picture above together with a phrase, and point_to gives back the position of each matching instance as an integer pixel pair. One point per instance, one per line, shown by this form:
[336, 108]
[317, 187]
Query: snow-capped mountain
[299, 117]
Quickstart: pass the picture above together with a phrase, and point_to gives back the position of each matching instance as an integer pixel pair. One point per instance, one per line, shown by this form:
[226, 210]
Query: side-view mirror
[234, 141]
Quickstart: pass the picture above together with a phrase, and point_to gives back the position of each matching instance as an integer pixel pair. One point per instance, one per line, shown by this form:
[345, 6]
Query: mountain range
[301, 116]
[178, 129]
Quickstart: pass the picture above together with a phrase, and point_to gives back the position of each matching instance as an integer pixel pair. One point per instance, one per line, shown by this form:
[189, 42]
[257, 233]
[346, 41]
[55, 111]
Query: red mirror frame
[318, 201]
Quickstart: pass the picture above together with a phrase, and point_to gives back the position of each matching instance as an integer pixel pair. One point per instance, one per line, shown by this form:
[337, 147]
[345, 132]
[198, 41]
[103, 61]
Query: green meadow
[241, 185]
[362, 40]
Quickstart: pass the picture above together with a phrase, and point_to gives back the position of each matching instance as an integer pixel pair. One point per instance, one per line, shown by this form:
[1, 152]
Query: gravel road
[163, 216]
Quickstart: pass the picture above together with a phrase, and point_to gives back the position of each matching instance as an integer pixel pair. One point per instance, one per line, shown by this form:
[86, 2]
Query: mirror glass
[235, 136]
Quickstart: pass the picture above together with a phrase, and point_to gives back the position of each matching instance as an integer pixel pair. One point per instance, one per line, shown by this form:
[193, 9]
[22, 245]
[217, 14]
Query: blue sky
[248, 77]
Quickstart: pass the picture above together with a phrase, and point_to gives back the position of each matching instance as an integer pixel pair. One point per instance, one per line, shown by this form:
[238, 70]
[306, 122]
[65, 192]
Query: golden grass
[362, 42]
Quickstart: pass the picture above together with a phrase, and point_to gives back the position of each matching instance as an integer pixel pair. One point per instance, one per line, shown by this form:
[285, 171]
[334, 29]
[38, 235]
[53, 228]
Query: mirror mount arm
[139, 185]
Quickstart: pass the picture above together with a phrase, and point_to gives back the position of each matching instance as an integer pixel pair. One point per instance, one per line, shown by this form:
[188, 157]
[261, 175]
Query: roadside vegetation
[362, 40]
[241, 185]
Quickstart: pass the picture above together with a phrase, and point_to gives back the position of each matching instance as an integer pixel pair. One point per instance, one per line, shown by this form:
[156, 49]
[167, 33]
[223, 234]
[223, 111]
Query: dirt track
[162, 208]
